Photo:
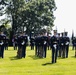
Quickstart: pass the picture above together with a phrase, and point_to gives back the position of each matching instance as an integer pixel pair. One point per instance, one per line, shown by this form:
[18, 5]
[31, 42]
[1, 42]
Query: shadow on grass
[49, 63]
[73, 56]
[35, 57]
[14, 58]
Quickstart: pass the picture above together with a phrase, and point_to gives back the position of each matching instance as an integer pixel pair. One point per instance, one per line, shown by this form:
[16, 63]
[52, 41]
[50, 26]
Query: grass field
[32, 65]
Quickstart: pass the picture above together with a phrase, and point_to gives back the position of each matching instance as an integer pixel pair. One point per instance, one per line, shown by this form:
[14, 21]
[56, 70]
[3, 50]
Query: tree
[38, 14]
[29, 15]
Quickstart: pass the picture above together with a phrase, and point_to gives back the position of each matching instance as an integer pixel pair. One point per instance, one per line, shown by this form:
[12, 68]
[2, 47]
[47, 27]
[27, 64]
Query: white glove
[23, 43]
[54, 46]
[1, 43]
[67, 43]
[44, 42]
[62, 44]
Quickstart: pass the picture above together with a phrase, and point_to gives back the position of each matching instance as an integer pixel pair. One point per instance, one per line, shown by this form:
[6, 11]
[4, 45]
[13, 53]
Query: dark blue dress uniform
[32, 42]
[62, 46]
[6, 43]
[19, 52]
[54, 46]
[24, 41]
[59, 51]
[2, 44]
[14, 40]
[74, 43]
[67, 41]
[44, 44]
[38, 47]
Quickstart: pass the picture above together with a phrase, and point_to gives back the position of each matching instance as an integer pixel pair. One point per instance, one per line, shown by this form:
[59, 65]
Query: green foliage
[32, 65]
[38, 14]
[32, 15]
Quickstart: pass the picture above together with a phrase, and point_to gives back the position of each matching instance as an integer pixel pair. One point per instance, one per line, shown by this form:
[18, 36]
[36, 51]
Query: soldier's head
[58, 34]
[55, 32]
[1, 32]
[66, 33]
[62, 34]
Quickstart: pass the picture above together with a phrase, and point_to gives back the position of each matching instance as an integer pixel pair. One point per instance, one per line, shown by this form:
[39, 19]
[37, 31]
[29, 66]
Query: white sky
[65, 16]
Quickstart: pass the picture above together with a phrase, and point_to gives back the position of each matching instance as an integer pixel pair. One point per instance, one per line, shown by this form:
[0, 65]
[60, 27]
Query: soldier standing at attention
[24, 41]
[59, 51]
[54, 47]
[2, 43]
[62, 46]
[19, 52]
[44, 44]
[32, 42]
[74, 45]
[67, 41]
[6, 43]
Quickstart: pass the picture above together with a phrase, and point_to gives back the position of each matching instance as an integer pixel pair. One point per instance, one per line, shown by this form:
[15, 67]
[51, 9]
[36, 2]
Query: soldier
[6, 43]
[14, 40]
[32, 42]
[67, 41]
[19, 52]
[54, 46]
[74, 44]
[49, 43]
[59, 51]
[62, 46]
[2, 43]
[24, 41]
[44, 44]
[38, 46]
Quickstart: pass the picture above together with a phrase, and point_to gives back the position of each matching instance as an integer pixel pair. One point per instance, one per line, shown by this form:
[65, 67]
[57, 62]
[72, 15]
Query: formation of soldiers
[20, 42]
[41, 45]
[60, 46]
[58, 43]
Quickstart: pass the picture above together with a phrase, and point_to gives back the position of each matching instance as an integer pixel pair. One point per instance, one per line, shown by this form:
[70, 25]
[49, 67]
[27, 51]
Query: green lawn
[32, 65]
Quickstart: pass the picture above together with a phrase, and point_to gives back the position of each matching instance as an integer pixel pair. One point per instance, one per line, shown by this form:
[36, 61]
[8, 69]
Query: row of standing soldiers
[59, 45]
[20, 42]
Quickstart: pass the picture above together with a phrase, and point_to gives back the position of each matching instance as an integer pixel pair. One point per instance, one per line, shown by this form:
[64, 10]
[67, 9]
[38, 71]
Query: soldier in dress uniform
[6, 43]
[37, 38]
[14, 40]
[44, 44]
[19, 40]
[49, 43]
[24, 41]
[54, 47]
[2, 43]
[67, 41]
[38, 46]
[74, 44]
[59, 51]
[62, 46]
[32, 42]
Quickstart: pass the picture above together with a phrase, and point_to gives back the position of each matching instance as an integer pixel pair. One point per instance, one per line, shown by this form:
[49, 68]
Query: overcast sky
[65, 16]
